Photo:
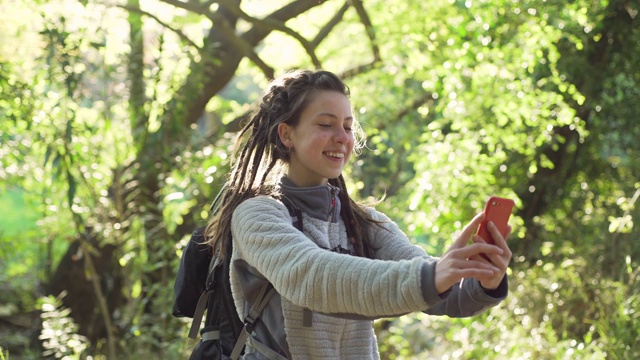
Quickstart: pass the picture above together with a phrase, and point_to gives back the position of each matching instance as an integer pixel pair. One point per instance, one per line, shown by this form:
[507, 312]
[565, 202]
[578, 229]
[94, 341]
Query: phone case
[499, 211]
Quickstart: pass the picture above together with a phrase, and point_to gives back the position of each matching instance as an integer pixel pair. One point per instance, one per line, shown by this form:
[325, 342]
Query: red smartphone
[498, 210]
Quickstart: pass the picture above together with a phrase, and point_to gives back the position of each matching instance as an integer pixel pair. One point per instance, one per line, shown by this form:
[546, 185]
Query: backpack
[202, 284]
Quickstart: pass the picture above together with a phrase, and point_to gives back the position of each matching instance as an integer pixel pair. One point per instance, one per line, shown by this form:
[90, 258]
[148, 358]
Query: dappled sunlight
[118, 120]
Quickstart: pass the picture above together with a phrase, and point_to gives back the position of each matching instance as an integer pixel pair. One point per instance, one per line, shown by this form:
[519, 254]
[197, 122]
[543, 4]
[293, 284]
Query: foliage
[58, 334]
[118, 120]
[519, 328]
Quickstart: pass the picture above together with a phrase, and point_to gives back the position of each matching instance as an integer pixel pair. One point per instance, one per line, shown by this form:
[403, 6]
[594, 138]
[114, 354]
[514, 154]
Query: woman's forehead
[329, 103]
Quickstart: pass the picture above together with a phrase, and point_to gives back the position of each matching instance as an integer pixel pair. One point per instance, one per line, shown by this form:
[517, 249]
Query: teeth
[336, 155]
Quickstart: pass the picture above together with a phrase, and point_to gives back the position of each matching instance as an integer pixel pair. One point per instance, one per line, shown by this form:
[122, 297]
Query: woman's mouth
[334, 155]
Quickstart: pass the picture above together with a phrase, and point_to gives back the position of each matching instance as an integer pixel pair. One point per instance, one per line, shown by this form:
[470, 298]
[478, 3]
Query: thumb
[468, 230]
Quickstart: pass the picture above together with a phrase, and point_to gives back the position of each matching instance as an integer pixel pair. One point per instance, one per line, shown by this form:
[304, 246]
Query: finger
[482, 258]
[475, 268]
[476, 249]
[494, 261]
[451, 270]
[476, 274]
[498, 238]
[479, 264]
[468, 230]
[506, 256]
[500, 260]
[478, 239]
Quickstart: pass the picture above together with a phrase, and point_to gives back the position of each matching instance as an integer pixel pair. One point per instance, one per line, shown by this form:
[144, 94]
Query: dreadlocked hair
[259, 156]
[354, 216]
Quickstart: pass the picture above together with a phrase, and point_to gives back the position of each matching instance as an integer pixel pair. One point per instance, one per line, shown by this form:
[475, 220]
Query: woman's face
[322, 141]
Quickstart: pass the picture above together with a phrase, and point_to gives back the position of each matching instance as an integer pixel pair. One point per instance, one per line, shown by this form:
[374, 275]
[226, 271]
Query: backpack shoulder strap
[250, 320]
[296, 213]
[266, 293]
[218, 265]
[204, 297]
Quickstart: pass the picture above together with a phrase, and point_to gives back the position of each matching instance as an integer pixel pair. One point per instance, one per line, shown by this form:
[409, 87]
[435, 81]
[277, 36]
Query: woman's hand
[464, 260]
[500, 261]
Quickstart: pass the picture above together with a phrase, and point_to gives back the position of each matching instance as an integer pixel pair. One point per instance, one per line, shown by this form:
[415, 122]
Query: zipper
[333, 203]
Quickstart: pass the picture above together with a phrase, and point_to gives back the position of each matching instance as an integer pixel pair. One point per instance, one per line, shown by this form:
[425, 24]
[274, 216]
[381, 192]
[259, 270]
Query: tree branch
[287, 12]
[180, 34]
[326, 29]
[210, 75]
[360, 69]
[272, 24]
[243, 46]
[366, 21]
[202, 9]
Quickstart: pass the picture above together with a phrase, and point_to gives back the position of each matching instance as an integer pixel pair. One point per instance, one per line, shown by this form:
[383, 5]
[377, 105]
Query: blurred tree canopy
[117, 119]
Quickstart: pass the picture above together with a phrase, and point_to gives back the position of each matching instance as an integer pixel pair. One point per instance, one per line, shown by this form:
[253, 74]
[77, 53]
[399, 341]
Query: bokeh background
[117, 119]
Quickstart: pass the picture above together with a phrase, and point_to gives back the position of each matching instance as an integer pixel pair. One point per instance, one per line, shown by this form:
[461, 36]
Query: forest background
[117, 118]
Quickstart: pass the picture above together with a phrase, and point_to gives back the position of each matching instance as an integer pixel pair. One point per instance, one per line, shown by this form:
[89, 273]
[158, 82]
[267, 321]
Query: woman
[351, 263]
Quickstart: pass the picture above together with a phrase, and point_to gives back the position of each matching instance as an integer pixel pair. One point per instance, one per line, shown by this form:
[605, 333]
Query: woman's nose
[341, 136]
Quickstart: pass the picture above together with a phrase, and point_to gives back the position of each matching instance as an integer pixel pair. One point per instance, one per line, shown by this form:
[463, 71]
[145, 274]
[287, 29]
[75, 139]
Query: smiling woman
[328, 274]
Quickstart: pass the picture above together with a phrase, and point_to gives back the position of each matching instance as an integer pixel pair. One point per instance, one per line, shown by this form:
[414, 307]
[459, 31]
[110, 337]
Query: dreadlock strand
[255, 165]
[350, 220]
[257, 144]
[246, 163]
[239, 166]
[270, 167]
[248, 150]
[220, 225]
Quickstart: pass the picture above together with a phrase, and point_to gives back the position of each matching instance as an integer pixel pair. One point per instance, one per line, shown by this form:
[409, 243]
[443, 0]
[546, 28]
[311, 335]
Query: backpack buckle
[249, 325]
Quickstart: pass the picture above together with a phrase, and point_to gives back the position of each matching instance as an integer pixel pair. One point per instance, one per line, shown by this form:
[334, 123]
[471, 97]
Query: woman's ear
[284, 132]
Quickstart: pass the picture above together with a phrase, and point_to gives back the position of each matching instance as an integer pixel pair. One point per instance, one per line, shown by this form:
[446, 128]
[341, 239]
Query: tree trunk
[71, 276]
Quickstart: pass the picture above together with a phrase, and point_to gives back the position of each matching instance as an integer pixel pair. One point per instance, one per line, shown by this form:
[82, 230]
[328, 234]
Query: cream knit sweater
[306, 275]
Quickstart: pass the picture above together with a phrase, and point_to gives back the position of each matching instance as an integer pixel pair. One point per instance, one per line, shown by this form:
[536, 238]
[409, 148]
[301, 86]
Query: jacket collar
[320, 202]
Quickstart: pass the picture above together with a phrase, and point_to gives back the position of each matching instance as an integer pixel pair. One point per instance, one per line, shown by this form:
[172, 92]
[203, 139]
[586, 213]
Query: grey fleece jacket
[308, 276]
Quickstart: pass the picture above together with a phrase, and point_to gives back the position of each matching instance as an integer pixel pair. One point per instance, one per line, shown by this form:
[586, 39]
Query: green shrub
[585, 317]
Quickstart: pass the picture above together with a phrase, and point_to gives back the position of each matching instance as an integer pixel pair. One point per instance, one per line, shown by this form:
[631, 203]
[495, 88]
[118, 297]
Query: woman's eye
[347, 128]
[325, 125]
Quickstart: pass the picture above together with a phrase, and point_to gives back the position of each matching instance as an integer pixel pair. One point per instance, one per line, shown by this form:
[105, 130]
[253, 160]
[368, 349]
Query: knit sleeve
[463, 299]
[390, 242]
[317, 279]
